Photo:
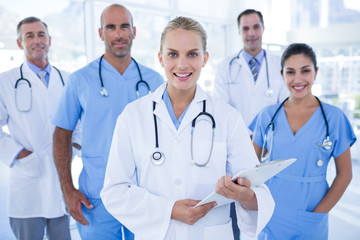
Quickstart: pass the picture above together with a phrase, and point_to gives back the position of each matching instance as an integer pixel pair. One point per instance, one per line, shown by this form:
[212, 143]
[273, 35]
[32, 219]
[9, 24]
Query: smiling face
[299, 74]
[117, 31]
[251, 30]
[182, 57]
[35, 41]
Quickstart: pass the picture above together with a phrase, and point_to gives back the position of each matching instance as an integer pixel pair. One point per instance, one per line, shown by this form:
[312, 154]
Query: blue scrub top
[298, 189]
[82, 100]
[166, 99]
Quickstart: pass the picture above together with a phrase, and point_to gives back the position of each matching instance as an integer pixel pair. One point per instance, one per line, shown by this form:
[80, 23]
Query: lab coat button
[177, 140]
[177, 182]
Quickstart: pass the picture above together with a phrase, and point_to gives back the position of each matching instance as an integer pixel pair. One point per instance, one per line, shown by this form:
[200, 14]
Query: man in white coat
[250, 79]
[27, 101]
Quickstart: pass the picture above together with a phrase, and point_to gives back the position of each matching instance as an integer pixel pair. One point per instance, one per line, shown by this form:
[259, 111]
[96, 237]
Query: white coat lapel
[196, 106]
[160, 110]
[54, 80]
[31, 76]
[262, 73]
[245, 67]
[56, 85]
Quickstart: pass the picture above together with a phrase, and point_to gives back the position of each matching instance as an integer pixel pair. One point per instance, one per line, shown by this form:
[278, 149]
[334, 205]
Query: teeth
[182, 75]
[298, 88]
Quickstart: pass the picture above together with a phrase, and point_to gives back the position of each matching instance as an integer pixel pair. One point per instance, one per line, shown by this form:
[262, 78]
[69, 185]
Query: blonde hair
[185, 23]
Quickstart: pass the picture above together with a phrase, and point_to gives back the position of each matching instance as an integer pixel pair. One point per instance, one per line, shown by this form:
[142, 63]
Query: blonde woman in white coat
[155, 199]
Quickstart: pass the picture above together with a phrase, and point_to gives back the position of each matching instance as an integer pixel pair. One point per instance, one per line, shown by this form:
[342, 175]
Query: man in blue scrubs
[97, 94]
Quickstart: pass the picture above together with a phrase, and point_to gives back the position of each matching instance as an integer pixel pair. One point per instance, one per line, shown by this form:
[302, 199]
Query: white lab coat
[235, 85]
[141, 195]
[34, 189]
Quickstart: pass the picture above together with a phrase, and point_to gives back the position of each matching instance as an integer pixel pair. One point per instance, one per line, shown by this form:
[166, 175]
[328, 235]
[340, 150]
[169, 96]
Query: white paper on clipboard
[257, 176]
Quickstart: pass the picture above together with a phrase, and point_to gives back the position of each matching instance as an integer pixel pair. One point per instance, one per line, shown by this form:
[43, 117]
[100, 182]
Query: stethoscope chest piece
[327, 144]
[269, 92]
[103, 92]
[157, 158]
[320, 163]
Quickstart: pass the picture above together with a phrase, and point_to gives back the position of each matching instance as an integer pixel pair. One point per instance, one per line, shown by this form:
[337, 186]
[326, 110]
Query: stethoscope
[103, 90]
[269, 90]
[326, 144]
[158, 157]
[27, 109]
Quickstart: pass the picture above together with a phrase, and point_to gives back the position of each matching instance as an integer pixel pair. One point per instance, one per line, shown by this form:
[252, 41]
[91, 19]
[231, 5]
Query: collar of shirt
[170, 109]
[259, 58]
[36, 69]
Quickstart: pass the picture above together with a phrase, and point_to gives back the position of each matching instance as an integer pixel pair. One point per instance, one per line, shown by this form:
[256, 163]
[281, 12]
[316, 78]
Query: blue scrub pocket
[102, 225]
[313, 225]
[92, 176]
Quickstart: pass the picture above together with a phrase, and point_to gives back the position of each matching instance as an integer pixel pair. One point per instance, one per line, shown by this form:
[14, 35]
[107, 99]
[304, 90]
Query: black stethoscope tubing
[192, 124]
[272, 125]
[141, 81]
[30, 88]
[158, 157]
[266, 64]
[26, 80]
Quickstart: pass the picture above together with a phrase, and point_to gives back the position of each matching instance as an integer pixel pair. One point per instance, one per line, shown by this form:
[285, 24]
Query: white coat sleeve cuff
[253, 222]
[136, 209]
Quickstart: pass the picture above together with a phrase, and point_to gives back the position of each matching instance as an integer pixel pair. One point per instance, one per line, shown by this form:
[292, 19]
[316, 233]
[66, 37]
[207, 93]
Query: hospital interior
[331, 27]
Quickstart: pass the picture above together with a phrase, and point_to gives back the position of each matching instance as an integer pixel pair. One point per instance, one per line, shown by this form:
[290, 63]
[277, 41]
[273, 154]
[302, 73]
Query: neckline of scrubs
[302, 129]
[129, 72]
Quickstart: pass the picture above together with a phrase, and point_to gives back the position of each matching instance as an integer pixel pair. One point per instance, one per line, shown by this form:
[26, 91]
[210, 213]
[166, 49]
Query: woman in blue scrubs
[302, 195]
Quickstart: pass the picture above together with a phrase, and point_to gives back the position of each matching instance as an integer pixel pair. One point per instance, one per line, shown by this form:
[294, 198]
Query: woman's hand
[185, 212]
[239, 191]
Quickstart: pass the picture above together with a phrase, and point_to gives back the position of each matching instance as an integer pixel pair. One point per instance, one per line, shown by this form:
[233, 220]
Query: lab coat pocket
[30, 166]
[313, 225]
[217, 232]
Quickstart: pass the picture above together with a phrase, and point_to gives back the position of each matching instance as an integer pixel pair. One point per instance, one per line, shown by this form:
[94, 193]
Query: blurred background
[331, 27]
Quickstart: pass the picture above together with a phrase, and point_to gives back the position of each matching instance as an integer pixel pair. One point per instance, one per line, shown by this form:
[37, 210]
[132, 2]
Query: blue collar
[170, 109]
[36, 69]
[259, 57]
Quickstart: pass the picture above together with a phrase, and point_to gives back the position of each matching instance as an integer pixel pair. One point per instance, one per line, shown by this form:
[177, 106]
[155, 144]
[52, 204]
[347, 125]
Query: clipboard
[258, 175]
